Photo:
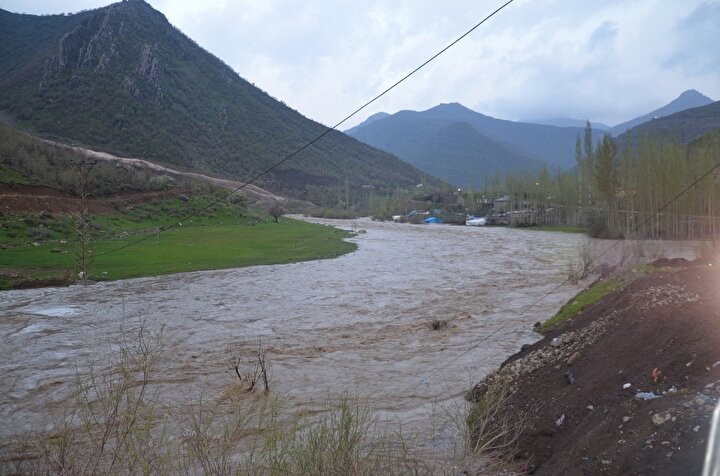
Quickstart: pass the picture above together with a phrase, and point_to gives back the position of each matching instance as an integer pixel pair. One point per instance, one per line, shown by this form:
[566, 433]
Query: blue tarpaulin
[432, 220]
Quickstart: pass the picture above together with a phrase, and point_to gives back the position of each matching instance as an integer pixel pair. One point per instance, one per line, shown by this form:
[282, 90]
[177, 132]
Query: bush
[38, 233]
[161, 182]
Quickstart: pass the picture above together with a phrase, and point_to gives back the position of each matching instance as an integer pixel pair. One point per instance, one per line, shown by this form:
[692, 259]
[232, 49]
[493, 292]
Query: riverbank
[39, 248]
[625, 386]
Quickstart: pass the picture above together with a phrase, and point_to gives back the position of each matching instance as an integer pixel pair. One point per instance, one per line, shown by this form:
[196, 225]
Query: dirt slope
[660, 334]
[256, 194]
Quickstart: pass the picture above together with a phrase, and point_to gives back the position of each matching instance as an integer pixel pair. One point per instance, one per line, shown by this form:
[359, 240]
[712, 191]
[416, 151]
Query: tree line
[620, 189]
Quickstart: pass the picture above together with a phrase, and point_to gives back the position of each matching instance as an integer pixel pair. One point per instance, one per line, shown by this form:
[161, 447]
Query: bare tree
[276, 210]
[251, 371]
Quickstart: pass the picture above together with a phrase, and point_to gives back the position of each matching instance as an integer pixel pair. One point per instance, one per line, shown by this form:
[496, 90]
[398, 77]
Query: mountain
[569, 122]
[686, 125]
[122, 79]
[688, 99]
[513, 146]
[462, 156]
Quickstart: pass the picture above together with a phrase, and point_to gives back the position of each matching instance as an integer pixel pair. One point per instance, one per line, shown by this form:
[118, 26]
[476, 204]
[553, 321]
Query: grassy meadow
[42, 247]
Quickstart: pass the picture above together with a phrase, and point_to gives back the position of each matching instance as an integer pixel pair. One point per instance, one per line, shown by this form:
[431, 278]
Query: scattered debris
[647, 396]
[656, 373]
[637, 340]
[660, 418]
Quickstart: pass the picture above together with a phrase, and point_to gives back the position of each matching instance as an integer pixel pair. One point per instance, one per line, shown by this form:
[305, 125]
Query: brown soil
[24, 199]
[258, 196]
[668, 320]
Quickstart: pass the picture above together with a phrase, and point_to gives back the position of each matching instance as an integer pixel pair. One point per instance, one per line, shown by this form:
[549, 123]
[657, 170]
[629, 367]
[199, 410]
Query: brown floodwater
[357, 324]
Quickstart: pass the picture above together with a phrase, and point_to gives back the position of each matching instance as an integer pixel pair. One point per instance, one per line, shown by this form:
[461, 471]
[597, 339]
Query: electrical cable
[575, 275]
[313, 141]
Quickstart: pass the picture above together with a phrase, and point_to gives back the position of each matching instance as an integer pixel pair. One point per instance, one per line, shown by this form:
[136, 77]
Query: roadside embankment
[626, 385]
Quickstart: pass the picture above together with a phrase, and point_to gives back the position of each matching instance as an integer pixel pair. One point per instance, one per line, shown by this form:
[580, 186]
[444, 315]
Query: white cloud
[608, 61]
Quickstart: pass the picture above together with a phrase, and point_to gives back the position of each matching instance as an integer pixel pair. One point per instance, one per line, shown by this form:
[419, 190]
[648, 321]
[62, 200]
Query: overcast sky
[608, 60]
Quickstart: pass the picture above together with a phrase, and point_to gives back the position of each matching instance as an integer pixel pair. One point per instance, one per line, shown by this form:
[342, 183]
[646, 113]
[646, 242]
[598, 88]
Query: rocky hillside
[122, 79]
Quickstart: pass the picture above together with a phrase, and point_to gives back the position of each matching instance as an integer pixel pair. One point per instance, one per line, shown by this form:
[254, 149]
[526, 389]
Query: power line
[313, 141]
[575, 274]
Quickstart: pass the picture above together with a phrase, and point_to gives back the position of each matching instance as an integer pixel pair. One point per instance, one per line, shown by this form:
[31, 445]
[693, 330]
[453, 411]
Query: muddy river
[359, 323]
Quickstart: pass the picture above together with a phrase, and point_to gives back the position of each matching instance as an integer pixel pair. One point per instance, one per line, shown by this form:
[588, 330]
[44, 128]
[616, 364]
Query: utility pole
[83, 247]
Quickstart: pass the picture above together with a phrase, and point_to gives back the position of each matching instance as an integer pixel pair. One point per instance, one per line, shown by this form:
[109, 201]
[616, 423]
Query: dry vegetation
[117, 423]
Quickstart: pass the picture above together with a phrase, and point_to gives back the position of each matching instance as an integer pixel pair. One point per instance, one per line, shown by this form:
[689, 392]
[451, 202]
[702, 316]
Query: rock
[590, 408]
[560, 420]
[574, 358]
[626, 419]
[569, 377]
[660, 418]
[525, 347]
[626, 386]
[556, 342]
[567, 338]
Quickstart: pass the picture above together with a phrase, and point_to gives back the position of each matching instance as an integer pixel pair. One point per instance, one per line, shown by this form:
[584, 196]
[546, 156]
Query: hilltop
[465, 147]
[123, 80]
[687, 125]
[421, 137]
[687, 100]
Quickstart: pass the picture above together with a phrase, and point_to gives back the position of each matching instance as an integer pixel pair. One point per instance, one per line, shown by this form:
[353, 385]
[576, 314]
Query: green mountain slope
[124, 80]
[686, 125]
[459, 154]
[687, 100]
[555, 146]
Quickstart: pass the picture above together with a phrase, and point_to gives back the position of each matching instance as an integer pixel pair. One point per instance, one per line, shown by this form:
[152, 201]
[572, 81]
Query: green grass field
[225, 237]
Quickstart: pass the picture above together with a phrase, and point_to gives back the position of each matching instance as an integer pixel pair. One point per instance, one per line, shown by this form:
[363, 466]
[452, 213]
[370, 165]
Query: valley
[198, 278]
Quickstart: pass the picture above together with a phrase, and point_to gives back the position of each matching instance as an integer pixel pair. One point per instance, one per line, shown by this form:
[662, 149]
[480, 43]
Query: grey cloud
[698, 37]
[603, 35]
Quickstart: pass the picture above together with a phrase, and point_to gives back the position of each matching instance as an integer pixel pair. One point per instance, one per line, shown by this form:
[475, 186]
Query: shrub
[161, 182]
[38, 233]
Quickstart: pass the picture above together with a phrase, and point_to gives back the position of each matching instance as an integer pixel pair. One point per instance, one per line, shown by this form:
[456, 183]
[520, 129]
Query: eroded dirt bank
[659, 334]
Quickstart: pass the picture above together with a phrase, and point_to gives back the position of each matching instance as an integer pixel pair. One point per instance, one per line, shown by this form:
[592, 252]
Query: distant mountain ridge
[507, 146]
[569, 122]
[499, 146]
[687, 100]
[467, 157]
[122, 79]
[686, 125]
